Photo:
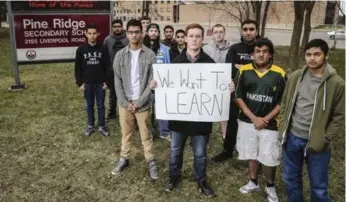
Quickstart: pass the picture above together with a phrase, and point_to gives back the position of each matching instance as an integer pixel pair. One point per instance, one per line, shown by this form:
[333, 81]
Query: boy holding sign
[260, 86]
[198, 131]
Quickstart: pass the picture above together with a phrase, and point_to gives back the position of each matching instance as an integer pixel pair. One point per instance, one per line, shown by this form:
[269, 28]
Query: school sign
[51, 31]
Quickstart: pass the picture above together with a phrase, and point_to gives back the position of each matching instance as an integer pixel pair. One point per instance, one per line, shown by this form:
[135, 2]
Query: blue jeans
[317, 166]
[91, 92]
[199, 145]
[163, 124]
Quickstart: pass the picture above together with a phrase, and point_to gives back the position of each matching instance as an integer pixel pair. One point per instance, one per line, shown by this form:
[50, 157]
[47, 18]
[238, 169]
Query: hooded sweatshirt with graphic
[239, 53]
[328, 112]
[92, 64]
[115, 43]
[217, 53]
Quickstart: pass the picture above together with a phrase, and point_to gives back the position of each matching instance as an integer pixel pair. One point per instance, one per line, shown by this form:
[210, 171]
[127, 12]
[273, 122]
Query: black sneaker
[172, 183]
[89, 130]
[103, 131]
[206, 189]
[223, 156]
[121, 165]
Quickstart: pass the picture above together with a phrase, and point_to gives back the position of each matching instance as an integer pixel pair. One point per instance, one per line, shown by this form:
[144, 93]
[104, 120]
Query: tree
[241, 10]
[336, 22]
[145, 8]
[293, 54]
[309, 5]
[264, 19]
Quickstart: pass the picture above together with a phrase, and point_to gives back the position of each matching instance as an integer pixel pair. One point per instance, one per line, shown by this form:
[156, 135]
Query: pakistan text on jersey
[259, 98]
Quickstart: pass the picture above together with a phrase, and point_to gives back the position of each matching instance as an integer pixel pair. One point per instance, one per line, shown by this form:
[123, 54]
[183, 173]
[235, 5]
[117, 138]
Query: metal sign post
[17, 85]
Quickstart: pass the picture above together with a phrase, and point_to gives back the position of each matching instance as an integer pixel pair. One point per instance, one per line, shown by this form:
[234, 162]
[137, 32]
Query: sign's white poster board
[192, 92]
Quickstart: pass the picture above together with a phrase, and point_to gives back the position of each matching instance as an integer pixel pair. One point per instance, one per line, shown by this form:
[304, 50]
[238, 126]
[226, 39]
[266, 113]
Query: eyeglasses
[249, 29]
[194, 36]
[134, 32]
[117, 26]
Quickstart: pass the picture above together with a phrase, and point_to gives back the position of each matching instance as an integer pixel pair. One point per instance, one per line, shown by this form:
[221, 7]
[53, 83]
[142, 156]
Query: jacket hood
[213, 45]
[119, 37]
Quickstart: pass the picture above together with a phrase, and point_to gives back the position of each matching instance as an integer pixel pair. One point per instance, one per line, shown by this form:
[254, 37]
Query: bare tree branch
[338, 5]
[264, 19]
[225, 10]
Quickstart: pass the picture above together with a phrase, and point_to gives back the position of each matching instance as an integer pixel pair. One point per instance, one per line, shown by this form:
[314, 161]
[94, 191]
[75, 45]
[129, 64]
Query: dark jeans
[232, 129]
[199, 145]
[91, 92]
[317, 166]
[112, 96]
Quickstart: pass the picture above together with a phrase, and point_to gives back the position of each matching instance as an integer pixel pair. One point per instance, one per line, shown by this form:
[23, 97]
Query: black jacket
[175, 51]
[92, 64]
[169, 43]
[189, 127]
[240, 53]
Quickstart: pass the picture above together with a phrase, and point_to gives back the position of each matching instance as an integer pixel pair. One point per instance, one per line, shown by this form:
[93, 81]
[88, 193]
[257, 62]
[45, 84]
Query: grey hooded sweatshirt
[216, 53]
[115, 43]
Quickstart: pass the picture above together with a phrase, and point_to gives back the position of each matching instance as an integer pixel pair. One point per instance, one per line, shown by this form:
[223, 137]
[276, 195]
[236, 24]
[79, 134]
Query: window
[162, 10]
[162, 2]
[156, 18]
[121, 11]
[162, 18]
[139, 10]
[156, 2]
[168, 1]
[124, 18]
[168, 9]
[168, 18]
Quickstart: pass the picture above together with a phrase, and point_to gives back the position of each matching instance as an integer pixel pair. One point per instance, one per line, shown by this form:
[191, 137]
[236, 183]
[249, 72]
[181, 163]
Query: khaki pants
[127, 123]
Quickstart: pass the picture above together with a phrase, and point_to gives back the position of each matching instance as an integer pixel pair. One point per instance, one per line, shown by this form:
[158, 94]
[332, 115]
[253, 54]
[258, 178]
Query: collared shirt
[193, 59]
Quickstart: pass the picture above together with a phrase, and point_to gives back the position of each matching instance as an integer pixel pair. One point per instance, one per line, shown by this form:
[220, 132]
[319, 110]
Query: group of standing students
[272, 116]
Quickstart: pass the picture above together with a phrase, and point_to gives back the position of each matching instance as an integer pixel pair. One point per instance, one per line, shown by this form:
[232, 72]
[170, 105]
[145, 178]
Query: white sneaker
[272, 197]
[249, 187]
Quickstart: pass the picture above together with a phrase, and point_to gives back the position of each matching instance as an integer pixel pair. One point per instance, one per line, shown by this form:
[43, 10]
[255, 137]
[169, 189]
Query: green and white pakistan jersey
[261, 91]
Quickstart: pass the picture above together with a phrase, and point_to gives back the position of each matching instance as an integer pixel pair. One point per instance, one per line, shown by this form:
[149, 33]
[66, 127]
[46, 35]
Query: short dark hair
[117, 21]
[134, 23]
[91, 26]
[218, 25]
[249, 21]
[145, 18]
[179, 31]
[264, 42]
[168, 27]
[317, 43]
[194, 26]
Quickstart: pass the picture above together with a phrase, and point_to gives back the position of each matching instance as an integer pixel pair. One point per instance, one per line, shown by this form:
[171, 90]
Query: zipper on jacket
[312, 120]
[290, 114]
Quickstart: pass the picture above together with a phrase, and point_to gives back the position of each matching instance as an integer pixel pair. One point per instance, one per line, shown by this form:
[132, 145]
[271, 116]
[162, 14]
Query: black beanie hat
[153, 25]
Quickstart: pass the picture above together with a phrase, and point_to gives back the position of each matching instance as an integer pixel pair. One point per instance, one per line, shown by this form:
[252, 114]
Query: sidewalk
[4, 24]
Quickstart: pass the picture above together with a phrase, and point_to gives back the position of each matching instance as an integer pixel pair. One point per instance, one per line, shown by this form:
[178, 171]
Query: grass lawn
[45, 156]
